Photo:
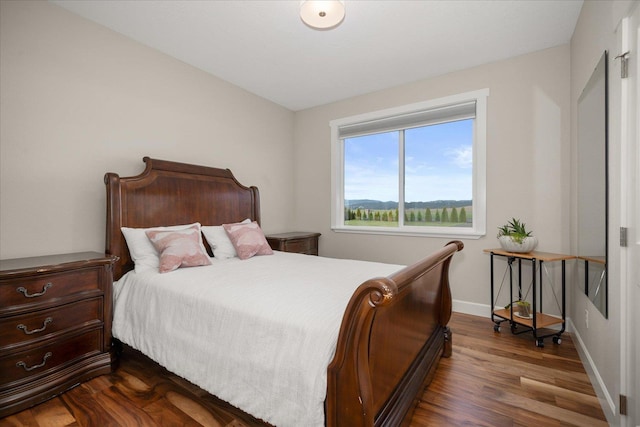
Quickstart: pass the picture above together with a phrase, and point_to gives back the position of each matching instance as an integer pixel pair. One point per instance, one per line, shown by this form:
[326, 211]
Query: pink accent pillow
[179, 248]
[247, 239]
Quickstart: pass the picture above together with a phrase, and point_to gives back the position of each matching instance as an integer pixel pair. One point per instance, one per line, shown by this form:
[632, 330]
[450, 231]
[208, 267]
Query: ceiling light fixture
[322, 15]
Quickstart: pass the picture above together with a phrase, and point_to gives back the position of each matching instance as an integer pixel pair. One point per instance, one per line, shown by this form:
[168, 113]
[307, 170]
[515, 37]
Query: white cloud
[462, 157]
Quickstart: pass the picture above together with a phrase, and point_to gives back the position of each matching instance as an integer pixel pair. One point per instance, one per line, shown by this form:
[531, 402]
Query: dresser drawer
[47, 359]
[21, 329]
[55, 325]
[47, 287]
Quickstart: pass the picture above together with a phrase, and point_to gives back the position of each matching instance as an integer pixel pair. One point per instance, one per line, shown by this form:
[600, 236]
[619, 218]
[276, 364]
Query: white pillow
[143, 253]
[219, 241]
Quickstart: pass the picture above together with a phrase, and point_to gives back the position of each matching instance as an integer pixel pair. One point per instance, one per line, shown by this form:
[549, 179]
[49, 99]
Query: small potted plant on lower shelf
[514, 237]
[520, 308]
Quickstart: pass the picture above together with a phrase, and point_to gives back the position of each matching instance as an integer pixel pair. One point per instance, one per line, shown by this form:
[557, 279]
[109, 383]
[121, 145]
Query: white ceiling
[263, 46]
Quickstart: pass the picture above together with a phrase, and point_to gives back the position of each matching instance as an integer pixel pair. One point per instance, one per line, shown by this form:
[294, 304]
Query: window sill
[413, 232]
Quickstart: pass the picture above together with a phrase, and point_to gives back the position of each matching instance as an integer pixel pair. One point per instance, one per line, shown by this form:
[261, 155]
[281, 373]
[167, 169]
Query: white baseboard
[482, 310]
[606, 401]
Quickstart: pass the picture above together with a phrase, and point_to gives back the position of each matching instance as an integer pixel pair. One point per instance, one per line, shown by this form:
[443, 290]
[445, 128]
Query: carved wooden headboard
[170, 193]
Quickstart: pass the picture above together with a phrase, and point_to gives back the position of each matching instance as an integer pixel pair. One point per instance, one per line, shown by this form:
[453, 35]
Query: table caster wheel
[496, 328]
[540, 343]
[557, 340]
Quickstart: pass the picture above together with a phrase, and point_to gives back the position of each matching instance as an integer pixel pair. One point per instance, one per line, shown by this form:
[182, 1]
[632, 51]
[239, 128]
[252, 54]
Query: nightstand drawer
[297, 242]
[46, 359]
[47, 287]
[301, 246]
[21, 329]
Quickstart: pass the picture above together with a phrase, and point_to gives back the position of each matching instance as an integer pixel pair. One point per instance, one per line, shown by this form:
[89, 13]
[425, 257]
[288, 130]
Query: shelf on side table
[542, 320]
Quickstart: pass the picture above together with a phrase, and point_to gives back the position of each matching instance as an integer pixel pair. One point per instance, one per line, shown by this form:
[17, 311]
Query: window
[416, 170]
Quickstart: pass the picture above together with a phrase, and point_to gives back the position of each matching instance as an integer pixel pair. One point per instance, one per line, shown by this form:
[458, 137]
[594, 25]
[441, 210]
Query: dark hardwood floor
[492, 379]
[501, 379]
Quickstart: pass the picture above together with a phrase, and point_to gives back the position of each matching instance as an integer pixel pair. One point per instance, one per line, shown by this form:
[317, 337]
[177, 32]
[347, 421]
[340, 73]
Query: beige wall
[78, 100]
[600, 341]
[527, 162]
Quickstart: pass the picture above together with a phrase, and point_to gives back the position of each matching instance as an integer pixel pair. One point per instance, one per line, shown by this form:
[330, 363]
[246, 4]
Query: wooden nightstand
[297, 241]
[55, 325]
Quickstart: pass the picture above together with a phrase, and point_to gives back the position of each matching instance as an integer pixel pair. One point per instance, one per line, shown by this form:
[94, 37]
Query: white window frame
[479, 174]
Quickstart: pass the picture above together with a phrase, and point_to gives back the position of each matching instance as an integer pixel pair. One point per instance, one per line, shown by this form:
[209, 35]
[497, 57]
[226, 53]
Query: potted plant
[514, 237]
[522, 308]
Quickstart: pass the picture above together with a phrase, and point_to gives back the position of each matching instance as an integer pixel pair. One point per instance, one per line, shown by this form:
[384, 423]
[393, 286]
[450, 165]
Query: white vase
[508, 244]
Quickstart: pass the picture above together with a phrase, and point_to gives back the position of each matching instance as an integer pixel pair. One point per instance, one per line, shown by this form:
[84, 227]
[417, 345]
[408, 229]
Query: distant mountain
[378, 205]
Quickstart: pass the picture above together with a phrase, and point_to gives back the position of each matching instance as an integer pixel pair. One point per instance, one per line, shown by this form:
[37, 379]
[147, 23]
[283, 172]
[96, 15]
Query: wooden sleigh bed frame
[394, 329]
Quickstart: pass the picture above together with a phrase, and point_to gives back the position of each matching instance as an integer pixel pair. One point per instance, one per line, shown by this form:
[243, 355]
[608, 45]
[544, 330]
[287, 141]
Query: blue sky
[438, 164]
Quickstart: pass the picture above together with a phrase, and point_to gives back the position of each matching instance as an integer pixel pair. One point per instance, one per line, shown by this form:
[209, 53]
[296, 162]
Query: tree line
[449, 215]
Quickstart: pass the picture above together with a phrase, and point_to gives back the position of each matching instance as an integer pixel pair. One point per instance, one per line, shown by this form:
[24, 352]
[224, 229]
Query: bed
[390, 329]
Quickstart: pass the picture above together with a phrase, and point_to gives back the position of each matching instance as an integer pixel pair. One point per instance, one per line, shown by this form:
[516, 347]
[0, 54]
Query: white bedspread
[258, 333]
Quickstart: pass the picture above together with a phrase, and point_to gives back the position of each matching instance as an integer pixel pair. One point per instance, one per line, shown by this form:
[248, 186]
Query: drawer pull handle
[24, 366]
[24, 292]
[44, 326]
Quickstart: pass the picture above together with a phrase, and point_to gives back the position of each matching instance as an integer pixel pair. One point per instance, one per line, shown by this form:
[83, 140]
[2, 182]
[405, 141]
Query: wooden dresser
[296, 241]
[55, 325]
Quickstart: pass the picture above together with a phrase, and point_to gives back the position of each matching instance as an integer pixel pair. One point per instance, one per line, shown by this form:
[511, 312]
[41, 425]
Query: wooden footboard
[393, 334]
